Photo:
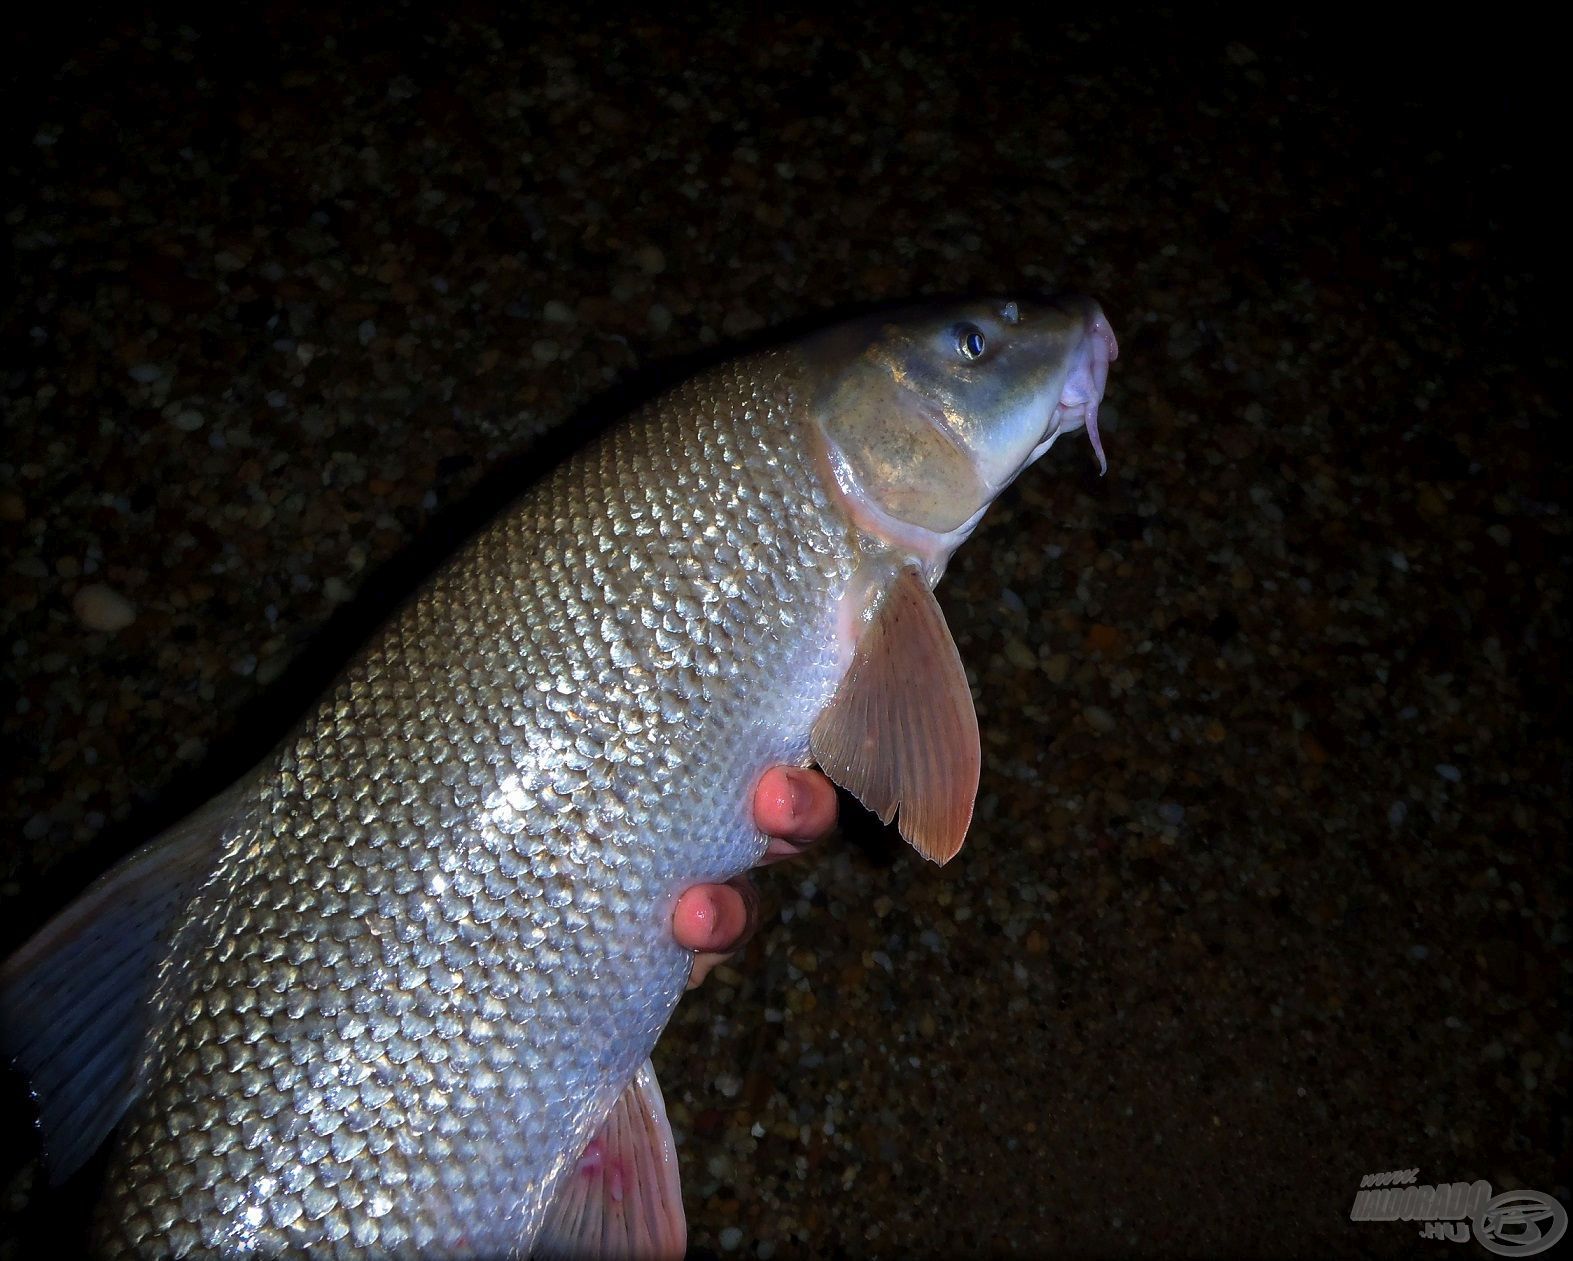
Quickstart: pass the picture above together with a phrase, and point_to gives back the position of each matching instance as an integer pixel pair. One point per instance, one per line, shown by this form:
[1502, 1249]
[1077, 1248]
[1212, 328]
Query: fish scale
[435, 955]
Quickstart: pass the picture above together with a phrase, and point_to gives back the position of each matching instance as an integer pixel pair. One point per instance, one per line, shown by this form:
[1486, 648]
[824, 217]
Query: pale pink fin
[901, 732]
[623, 1199]
[72, 999]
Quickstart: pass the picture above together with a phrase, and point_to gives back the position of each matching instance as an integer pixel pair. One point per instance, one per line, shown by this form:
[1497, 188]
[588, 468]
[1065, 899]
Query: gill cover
[897, 443]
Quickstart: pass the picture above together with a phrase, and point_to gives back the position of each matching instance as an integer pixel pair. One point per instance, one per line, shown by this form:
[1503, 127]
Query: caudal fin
[72, 1000]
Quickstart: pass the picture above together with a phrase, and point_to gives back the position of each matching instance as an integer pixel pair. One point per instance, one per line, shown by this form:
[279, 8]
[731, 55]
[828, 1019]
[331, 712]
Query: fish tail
[73, 999]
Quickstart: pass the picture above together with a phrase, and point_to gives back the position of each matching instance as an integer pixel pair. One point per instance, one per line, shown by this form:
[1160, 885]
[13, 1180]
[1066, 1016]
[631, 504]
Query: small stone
[1430, 501]
[336, 590]
[650, 260]
[366, 331]
[1019, 655]
[1499, 534]
[1099, 719]
[557, 312]
[660, 318]
[190, 749]
[1448, 772]
[737, 323]
[1104, 639]
[1172, 813]
[188, 420]
[101, 608]
[1057, 667]
[545, 350]
[11, 507]
[145, 373]
[730, 1238]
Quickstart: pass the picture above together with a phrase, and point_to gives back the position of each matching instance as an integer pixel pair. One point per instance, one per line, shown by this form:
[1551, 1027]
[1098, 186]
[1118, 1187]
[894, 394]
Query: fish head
[930, 412]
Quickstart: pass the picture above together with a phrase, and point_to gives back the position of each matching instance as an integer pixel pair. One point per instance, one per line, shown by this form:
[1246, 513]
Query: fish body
[399, 978]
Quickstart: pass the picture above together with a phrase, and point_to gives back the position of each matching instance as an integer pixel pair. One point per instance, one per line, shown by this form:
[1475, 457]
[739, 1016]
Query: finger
[721, 905]
[793, 807]
[703, 963]
[714, 918]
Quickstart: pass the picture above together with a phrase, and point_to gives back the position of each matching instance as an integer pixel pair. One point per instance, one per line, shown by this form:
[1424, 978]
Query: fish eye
[969, 341]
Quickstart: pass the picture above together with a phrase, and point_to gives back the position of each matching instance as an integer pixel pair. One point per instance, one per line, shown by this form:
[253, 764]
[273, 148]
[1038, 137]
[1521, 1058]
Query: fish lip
[1086, 381]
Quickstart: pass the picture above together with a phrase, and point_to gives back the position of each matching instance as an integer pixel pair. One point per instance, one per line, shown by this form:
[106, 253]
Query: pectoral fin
[623, 1199]
[901, 733]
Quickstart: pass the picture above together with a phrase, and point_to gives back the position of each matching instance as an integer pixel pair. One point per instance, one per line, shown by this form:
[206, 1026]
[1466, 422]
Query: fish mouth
[1083, 389]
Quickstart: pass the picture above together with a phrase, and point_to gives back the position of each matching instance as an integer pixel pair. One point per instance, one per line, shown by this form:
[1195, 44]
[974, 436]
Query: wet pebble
[1099, 719]
[1019, 655]
[740, 322]
[650, 259]
[101, 608]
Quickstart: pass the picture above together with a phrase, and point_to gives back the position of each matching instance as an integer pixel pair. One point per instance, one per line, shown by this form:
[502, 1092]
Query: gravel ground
[1266, 889]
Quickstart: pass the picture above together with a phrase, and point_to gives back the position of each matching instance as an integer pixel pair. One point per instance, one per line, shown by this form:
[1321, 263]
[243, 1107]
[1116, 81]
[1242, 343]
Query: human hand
[794, 808]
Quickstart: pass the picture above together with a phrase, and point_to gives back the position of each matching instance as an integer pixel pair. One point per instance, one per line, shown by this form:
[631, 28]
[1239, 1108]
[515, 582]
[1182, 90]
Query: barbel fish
[394, 993]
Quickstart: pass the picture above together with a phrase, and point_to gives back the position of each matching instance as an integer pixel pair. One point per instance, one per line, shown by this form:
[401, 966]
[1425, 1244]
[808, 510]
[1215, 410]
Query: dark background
[1266, 889]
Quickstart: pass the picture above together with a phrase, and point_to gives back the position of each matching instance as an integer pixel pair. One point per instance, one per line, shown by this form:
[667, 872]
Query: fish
[394, 992]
